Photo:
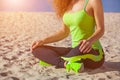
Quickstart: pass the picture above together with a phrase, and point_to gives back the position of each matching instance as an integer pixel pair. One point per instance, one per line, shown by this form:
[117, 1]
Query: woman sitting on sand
[84, 19]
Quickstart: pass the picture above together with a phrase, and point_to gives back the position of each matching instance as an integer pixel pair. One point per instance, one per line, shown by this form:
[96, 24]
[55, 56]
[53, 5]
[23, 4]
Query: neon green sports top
[81, 25]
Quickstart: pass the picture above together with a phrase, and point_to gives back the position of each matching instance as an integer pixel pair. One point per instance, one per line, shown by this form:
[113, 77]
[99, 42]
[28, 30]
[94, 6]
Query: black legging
[52, 55]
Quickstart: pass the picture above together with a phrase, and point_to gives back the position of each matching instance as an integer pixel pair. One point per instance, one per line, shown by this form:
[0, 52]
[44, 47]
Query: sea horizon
[45, 6]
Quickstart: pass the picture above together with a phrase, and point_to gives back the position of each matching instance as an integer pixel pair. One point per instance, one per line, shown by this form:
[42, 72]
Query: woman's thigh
[51, 54]
[88, 63]
[61, 51]
[75, 52]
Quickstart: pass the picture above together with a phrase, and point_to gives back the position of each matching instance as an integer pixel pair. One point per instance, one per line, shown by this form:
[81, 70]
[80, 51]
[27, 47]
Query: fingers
[34, 45]
[80, 42]
[87, 50]
[85, 46]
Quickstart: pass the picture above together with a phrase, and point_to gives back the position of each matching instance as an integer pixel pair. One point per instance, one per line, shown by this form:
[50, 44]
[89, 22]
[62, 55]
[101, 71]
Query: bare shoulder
[96, 3]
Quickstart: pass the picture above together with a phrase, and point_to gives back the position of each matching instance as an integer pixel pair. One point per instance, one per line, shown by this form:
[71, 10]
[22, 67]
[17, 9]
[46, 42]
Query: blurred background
[25, 21]
[46, 5]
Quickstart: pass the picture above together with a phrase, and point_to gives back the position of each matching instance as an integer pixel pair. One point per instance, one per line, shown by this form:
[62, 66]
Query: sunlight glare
[15, 4]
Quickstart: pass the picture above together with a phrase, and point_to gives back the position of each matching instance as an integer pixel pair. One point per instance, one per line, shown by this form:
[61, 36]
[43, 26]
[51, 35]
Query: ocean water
[45, 5]
[108, 5]
[111, 5]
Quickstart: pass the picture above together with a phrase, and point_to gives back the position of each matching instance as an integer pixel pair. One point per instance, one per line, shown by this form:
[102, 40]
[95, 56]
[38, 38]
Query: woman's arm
[59, 35]
[99, 19]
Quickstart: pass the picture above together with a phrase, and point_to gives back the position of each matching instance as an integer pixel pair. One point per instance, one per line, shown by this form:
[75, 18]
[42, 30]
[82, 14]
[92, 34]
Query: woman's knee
[37, 51]
[92, 64]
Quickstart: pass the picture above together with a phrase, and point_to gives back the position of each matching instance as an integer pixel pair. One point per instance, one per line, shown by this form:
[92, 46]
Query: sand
[19, 29]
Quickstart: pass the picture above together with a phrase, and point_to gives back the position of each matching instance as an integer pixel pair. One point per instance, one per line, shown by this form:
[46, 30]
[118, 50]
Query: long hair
[60, 6]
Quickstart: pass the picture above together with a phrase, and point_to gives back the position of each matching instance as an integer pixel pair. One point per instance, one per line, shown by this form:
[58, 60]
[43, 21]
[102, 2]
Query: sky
[25, 5]
[45, 5]
[111, 5]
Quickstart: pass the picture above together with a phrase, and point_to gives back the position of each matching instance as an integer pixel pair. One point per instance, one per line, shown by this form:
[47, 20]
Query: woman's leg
[88, 63]
[51, 55]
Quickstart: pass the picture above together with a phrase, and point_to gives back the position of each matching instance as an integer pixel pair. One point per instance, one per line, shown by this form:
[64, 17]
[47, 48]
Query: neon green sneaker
[75, 66]
[44, 63]
[73, 63]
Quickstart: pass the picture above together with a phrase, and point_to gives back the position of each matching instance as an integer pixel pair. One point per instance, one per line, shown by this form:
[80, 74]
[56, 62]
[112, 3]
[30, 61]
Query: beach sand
[19, 29]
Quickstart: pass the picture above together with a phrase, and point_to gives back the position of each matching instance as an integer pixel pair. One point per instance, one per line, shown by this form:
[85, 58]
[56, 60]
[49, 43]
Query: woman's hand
[36, 44]
[85, 46]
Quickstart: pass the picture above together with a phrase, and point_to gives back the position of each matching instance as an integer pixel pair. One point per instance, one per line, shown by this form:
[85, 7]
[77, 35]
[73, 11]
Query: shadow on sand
[107, 67]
